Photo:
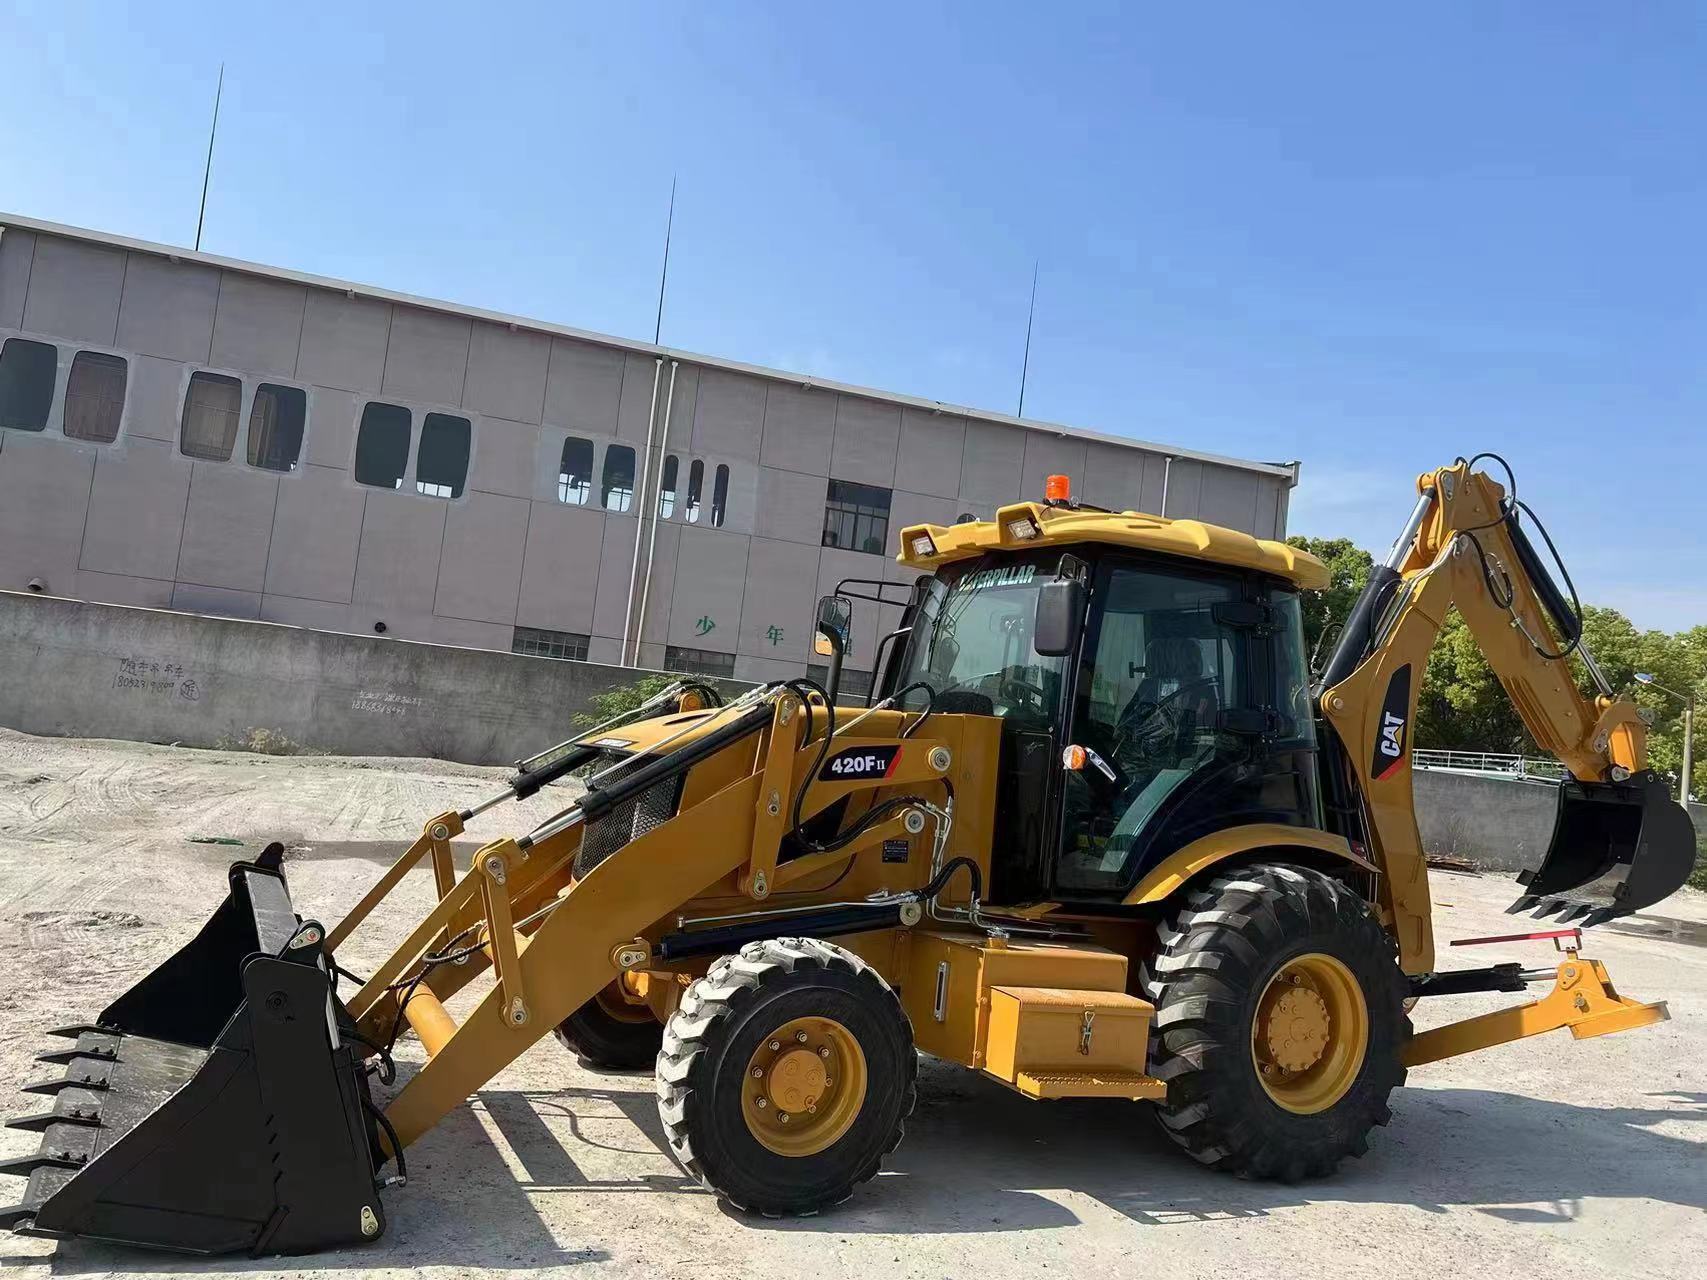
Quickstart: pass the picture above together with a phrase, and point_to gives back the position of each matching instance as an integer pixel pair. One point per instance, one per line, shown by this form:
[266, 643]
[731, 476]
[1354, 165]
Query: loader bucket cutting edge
[1617, 848]
[216, 1106]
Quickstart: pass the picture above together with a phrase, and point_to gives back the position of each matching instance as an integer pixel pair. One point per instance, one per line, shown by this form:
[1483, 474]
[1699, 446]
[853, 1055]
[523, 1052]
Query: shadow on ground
[979, 1158]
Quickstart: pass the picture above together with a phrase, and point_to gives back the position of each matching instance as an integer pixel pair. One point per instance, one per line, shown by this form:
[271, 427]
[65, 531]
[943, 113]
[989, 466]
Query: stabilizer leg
[1582, 999]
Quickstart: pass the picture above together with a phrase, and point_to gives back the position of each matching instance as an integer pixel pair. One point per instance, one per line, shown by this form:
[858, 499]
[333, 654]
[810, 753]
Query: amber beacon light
[1057, 489]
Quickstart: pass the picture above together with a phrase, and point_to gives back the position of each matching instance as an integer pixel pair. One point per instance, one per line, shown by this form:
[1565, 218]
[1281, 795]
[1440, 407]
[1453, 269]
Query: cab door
[1158, 710]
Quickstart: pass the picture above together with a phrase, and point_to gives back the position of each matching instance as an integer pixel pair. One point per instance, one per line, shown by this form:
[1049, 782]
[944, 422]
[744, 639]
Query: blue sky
[1367, 237]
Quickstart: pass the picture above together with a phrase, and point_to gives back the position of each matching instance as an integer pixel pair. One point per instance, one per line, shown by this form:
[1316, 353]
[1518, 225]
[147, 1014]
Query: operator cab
[1147, 697]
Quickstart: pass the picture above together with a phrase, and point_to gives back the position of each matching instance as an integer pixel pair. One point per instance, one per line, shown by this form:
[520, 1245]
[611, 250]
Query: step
[1132, 1085]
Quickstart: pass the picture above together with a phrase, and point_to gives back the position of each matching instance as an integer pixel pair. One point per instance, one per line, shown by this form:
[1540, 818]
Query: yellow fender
[1167, 878]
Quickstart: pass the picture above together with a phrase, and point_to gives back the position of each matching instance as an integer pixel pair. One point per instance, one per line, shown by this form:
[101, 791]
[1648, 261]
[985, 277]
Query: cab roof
[1026, 525]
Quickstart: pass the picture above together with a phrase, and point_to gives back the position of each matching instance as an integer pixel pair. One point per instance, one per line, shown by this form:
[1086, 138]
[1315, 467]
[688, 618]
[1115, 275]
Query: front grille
[628, 821]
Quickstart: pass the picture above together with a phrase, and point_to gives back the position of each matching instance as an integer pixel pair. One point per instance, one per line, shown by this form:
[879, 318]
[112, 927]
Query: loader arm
[1463, 548]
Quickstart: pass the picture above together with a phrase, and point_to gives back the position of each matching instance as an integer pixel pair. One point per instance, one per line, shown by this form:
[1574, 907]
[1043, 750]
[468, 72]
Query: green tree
[1348, 569]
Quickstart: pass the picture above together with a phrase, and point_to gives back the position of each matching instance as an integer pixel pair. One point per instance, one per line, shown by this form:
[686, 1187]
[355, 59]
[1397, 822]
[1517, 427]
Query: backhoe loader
[1097, 833]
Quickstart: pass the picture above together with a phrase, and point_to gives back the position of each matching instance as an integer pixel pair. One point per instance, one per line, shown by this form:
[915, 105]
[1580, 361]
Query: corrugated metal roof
[1286, 471]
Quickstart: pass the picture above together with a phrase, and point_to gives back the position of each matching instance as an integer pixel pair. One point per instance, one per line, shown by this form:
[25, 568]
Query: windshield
[971, 642]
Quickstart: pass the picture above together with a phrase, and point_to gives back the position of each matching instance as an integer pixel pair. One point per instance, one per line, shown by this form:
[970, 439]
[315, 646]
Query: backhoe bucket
[214, 1107]
[1617, 848]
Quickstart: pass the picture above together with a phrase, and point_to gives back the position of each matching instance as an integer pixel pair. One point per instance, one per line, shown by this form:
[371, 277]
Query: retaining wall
[1500, 823]
[75, 669]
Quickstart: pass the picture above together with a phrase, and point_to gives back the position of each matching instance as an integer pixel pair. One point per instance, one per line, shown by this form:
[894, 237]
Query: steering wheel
[1023, 693]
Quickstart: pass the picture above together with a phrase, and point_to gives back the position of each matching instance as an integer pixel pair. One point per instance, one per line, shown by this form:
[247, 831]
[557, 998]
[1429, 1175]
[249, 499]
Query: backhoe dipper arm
[1461, 548]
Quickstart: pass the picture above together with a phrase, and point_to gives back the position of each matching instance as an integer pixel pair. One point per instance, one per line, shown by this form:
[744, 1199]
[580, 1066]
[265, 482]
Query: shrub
[624, 698]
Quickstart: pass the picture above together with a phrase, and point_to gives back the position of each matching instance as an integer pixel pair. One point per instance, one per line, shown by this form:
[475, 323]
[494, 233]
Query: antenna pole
[664, 276]
[207, 169]
[1025, 367]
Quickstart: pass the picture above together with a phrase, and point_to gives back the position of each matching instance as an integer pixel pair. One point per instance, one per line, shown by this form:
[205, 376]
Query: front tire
[609, 1033]
[1279, 1023]
[785, 1076]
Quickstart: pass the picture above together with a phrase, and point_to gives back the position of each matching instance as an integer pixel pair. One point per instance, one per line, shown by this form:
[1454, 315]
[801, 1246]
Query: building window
[696, 481]
[538, 643]
[27, 371]
[441, 460]
[667, 488]
[616, 486]
[94, 397]
[209, 428]
[276, 421]
[719, 496]
[704, 662]
[856, 517]
[854, 683]
[575, 472]
[382, 445]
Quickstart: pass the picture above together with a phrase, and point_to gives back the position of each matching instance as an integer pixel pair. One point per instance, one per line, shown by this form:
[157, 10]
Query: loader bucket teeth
[65, 1057]
[1617, 848]
[41, 1120]
[213, 1107]
[90, 1081]
[74, 1031]
[24, 1166]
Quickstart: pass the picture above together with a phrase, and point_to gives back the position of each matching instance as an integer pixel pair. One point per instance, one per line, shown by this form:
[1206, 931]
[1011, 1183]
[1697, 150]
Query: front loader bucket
[1617, 848]
[214, 1107]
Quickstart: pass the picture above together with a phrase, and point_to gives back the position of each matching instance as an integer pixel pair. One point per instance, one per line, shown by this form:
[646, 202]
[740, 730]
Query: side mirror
[830, 640]
[835, 626]
[1060, 613]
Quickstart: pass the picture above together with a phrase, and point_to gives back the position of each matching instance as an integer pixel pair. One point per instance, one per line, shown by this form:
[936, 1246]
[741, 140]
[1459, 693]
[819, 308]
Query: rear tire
[1226, 960]
[609, 1034]
[785, 1026]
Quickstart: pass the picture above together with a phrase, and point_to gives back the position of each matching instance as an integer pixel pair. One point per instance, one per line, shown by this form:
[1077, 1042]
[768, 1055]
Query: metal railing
[1504, 764]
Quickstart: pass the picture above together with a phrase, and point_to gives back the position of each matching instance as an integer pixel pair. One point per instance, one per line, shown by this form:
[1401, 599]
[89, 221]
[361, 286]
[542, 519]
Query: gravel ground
[1545, 1158]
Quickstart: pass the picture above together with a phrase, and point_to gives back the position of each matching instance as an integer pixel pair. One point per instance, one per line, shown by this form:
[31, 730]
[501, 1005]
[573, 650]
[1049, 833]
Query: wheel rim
[803, 1086]
[621, 1003]
[1310, 1034]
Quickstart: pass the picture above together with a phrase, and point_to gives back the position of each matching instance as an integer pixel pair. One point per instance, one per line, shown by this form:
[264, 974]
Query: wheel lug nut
[775, 1045]
[760, 1103]
[824, 1051]
[782, 1116]
[800, 1037]
[758, 1073]
[828, 1082]
[811, 1109]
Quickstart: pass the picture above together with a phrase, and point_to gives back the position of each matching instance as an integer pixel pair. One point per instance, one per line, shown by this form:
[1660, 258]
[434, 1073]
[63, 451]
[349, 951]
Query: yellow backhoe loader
[1097, 833]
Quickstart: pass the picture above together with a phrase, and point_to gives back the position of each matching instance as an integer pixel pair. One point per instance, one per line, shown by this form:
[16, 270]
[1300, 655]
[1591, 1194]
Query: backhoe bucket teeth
[214, 1107]
[1617, 848]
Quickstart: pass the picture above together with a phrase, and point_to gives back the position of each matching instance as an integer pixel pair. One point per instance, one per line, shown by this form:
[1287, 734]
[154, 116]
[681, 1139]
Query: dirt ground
[1545, 1158]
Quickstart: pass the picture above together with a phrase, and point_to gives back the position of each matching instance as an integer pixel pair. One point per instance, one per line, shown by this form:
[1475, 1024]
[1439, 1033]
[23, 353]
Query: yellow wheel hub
[804, 1086]
[624, 1001]
[1310, 1034]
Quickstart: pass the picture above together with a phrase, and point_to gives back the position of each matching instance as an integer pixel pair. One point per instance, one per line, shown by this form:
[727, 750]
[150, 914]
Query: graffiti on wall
[157, 678]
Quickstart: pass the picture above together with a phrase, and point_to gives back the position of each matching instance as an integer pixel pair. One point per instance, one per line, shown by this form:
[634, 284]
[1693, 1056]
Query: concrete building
[184, 431]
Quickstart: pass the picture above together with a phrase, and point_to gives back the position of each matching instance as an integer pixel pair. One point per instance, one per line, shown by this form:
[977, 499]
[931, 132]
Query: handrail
[1507, 764]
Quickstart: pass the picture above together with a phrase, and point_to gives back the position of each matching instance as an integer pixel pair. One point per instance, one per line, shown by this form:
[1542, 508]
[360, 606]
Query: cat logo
[1390, 733]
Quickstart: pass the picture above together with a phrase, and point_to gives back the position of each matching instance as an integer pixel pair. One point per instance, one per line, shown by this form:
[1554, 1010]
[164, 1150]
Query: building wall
[137, 522]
